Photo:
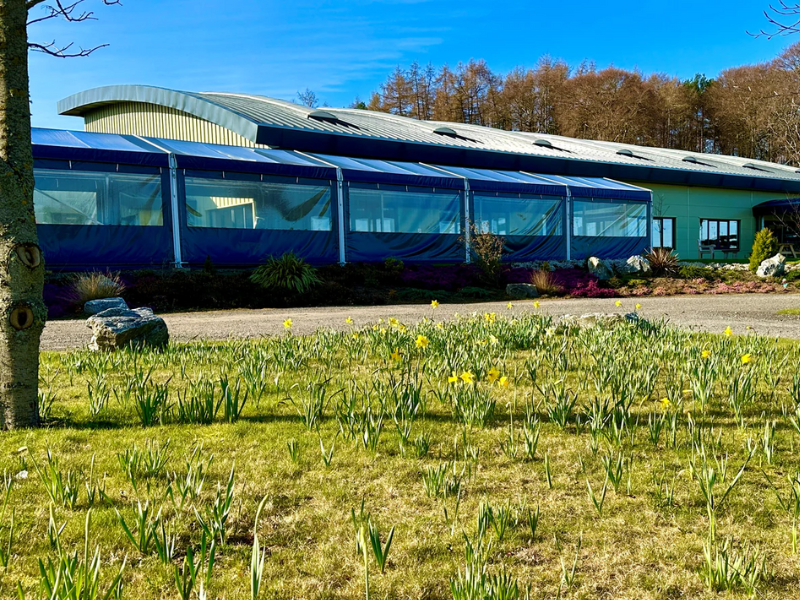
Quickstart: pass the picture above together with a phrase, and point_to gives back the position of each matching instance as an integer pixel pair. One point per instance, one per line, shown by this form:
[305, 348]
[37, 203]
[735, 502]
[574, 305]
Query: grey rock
[599, 268]
[522, 290]
[603, 320]
[120, 327]
[636, 264]
[97, 306]
[772, 267]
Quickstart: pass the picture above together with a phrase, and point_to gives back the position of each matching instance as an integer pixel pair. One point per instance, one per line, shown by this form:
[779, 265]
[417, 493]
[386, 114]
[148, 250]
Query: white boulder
[599, 268]
[772, 267]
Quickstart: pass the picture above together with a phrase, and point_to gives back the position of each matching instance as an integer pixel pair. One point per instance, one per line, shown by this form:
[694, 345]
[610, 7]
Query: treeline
[749, 111]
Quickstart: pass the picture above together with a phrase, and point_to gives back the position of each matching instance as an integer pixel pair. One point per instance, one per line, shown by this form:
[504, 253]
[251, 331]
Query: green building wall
[690, 204]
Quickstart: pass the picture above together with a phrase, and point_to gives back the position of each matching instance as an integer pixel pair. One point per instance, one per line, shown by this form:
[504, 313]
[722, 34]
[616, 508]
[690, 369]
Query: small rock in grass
[119, 328]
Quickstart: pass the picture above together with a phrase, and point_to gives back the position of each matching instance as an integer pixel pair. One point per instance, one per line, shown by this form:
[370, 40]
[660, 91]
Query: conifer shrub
[765, 246]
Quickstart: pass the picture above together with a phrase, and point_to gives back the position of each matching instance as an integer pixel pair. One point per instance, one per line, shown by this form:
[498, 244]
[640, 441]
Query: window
[719, 234]
[91, 198]
[518, 215]
[231, 204]
[616, 218]
[664, 232]
[398, 211]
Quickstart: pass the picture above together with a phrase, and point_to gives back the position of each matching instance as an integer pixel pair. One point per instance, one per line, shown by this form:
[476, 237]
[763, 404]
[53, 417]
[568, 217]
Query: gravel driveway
[705, 313]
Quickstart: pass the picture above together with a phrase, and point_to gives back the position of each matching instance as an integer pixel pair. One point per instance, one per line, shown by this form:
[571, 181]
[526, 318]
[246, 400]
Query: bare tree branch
[785, 18]
[69, 11]
[63, 52]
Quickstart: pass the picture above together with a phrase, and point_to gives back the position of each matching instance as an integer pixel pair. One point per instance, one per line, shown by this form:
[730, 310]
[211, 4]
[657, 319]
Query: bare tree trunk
[22, 311]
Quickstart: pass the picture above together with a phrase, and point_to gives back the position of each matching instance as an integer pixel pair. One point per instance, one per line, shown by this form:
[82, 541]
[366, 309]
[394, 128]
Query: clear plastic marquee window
[609, 218]
[518, 215]
[396, 211]
[92, 198]
[230, 204]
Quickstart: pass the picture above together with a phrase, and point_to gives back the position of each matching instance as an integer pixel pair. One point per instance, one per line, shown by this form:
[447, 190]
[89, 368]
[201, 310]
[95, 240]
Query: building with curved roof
[402, 187]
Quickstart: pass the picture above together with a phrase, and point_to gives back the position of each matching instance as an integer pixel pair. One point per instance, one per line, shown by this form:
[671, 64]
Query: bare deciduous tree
[751, 111]
[22, 310]
[308, 98]
[784, 19]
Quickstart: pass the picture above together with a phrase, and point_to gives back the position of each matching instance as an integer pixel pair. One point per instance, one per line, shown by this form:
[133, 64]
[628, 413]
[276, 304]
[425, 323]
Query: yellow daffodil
[504, 381]
[749, 328]
[728, 331]
[638, 306]
[394, 322]
[434, 304]
[746, 359]
[396, 355]
[536, 304]
[383, 329]
[509, 305]
[493, 375]
[617, 303]
[665, 403]
[706, 354]
[492, 340]
[422, 341]
[375, 327]
[490, 317]
[287, 323]
[348, 320]
[355, 336]
[453, 378]
[467, 377]
[402, 329]
[439, 326]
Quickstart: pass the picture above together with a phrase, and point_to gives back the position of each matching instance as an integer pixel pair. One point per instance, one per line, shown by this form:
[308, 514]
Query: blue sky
[341, 50]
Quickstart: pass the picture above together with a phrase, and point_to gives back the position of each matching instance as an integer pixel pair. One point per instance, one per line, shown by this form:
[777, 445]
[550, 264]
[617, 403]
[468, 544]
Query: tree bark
[22, 310]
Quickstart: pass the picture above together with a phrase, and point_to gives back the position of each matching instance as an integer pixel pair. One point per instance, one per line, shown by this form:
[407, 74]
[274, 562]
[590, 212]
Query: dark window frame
[720, 245]
[661, 232]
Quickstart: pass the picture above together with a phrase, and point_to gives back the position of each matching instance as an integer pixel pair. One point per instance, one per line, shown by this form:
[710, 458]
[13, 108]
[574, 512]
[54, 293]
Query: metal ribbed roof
[371, 134]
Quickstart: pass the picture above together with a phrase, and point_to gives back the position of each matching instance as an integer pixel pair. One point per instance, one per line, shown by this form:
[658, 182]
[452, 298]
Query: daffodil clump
[482, 454]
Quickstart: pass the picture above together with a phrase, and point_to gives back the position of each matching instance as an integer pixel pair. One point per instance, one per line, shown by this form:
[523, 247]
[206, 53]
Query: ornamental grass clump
[545, 282]
[95, 286]
[287, 273]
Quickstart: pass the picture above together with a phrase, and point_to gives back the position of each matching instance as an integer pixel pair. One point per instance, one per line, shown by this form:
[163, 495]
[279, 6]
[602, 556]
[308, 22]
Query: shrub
[393, 266]
[95, 286]
[765, 246]
[663, 261]
[545, 282]
[487, 248]
[692, 272]
[420, 295]
[476, 293]
[591, 289]
[792, 276]
[289, 273]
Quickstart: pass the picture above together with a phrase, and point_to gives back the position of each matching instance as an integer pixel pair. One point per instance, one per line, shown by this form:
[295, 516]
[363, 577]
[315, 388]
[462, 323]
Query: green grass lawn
[454, 438]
